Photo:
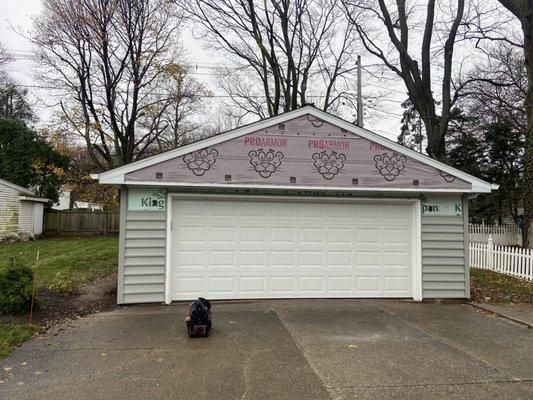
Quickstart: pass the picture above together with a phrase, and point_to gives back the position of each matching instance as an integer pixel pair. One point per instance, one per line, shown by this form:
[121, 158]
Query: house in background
[65, 202]
[21, 211]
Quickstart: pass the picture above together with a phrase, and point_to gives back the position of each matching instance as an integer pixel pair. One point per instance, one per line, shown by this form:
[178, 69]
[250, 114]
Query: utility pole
[359, 96]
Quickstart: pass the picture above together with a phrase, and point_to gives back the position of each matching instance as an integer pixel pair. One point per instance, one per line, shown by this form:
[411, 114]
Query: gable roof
[18, 188]
[117, 176]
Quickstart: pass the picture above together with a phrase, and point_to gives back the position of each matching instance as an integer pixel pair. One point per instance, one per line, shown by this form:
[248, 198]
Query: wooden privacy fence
[514, 261]
[81, 222]
[510, 235]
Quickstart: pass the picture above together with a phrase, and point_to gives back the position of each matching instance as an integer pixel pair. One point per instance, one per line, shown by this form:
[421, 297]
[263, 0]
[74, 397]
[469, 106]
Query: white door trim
[168, 253]
[417, 227]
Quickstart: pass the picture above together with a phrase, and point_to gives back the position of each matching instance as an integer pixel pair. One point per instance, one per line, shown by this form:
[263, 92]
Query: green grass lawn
[82, 259]
[12, 335]
[77, 260]
[493, 287]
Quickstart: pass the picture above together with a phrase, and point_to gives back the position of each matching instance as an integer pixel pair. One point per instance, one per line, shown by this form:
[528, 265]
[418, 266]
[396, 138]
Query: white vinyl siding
[142, 262]
[444, 272]
[26, 216]
[9, 210]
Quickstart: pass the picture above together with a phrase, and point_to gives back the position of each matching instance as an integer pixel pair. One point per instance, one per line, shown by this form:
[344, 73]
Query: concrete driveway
[305, 349]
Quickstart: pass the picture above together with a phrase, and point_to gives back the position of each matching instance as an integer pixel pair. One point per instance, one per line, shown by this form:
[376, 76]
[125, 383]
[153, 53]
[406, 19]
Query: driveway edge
[496, 311]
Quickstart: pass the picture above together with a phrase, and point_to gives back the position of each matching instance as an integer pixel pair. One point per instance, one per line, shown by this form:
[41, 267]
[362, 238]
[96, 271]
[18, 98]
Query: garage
[235, 248]
[300, 205]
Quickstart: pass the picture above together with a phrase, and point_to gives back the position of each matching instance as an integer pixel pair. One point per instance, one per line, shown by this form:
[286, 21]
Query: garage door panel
[367, 236]
[261, 249]
[367, 284]
[339, 235]
[339, 258]
[311, 235]
[340, 284]
[368, 259]
[396, 236]
[283, 234]
[253, 284]
[282, 284]
[310, 258]
[253, 258]
[312, 284]
[253, 234]
[279, 258]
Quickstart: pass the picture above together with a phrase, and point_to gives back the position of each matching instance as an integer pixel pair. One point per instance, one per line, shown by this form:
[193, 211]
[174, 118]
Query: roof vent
[416, 182]
[158, 175]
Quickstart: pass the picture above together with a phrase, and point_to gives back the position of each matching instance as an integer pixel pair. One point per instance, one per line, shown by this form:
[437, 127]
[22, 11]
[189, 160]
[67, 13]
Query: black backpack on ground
[199, 318]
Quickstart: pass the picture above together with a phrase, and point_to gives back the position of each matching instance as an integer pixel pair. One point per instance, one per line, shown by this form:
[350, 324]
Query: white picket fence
[509, 235]
[514, 261]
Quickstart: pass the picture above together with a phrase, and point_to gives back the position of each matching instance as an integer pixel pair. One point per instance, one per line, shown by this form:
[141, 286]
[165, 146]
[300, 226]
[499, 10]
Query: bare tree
[183, 114]
[523, 10]
[495, 88]
[398, 22]
[283, 53]
[4, 55]
[107, 59]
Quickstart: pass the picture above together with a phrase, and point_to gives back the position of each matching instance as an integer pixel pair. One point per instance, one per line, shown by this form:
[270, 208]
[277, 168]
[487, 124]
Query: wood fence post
[490, 253]
[105, 222]
[58, 222]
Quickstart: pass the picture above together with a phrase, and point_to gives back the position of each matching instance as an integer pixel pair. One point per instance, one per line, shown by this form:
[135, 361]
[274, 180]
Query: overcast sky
[18, 14]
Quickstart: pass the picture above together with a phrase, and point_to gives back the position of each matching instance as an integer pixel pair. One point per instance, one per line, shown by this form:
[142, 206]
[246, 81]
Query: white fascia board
[285, 187]
[35, 199]
[116, 176]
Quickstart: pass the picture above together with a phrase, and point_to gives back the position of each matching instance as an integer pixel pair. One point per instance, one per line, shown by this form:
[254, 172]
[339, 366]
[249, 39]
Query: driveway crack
[300, 349]
[450, 344]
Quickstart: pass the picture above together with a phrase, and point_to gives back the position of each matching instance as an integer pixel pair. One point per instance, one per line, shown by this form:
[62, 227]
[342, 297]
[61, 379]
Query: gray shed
[21, 211]
[301, 205]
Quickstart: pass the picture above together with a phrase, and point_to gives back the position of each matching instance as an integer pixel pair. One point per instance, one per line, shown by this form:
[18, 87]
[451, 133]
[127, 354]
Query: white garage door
[240, 248]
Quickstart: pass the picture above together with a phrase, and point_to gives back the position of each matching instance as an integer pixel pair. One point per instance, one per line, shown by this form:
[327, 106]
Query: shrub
[63, 282]
[15, 288]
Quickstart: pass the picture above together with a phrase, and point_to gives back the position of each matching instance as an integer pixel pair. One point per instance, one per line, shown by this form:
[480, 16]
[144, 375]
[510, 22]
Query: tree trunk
[527, 234]
[523, 10]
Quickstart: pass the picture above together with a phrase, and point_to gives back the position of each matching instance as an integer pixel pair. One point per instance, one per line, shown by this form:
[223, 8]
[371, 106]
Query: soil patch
[52, 307]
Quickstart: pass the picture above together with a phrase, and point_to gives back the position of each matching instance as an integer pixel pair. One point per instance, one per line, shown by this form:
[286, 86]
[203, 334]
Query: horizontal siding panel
[144, 261]
[448, 261]
[443, 253]
[444, 277]
[444, 269]
[144, 270]
[145, 225]
[442, 229]
[146, 234]
[144, 288]
[444, 294]
[144, 252]
[444, 285]
[454, 220]
[444, 245]
[146, 216]
[145, 243]
[144, 298]
[443, 236]
[148, 279]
